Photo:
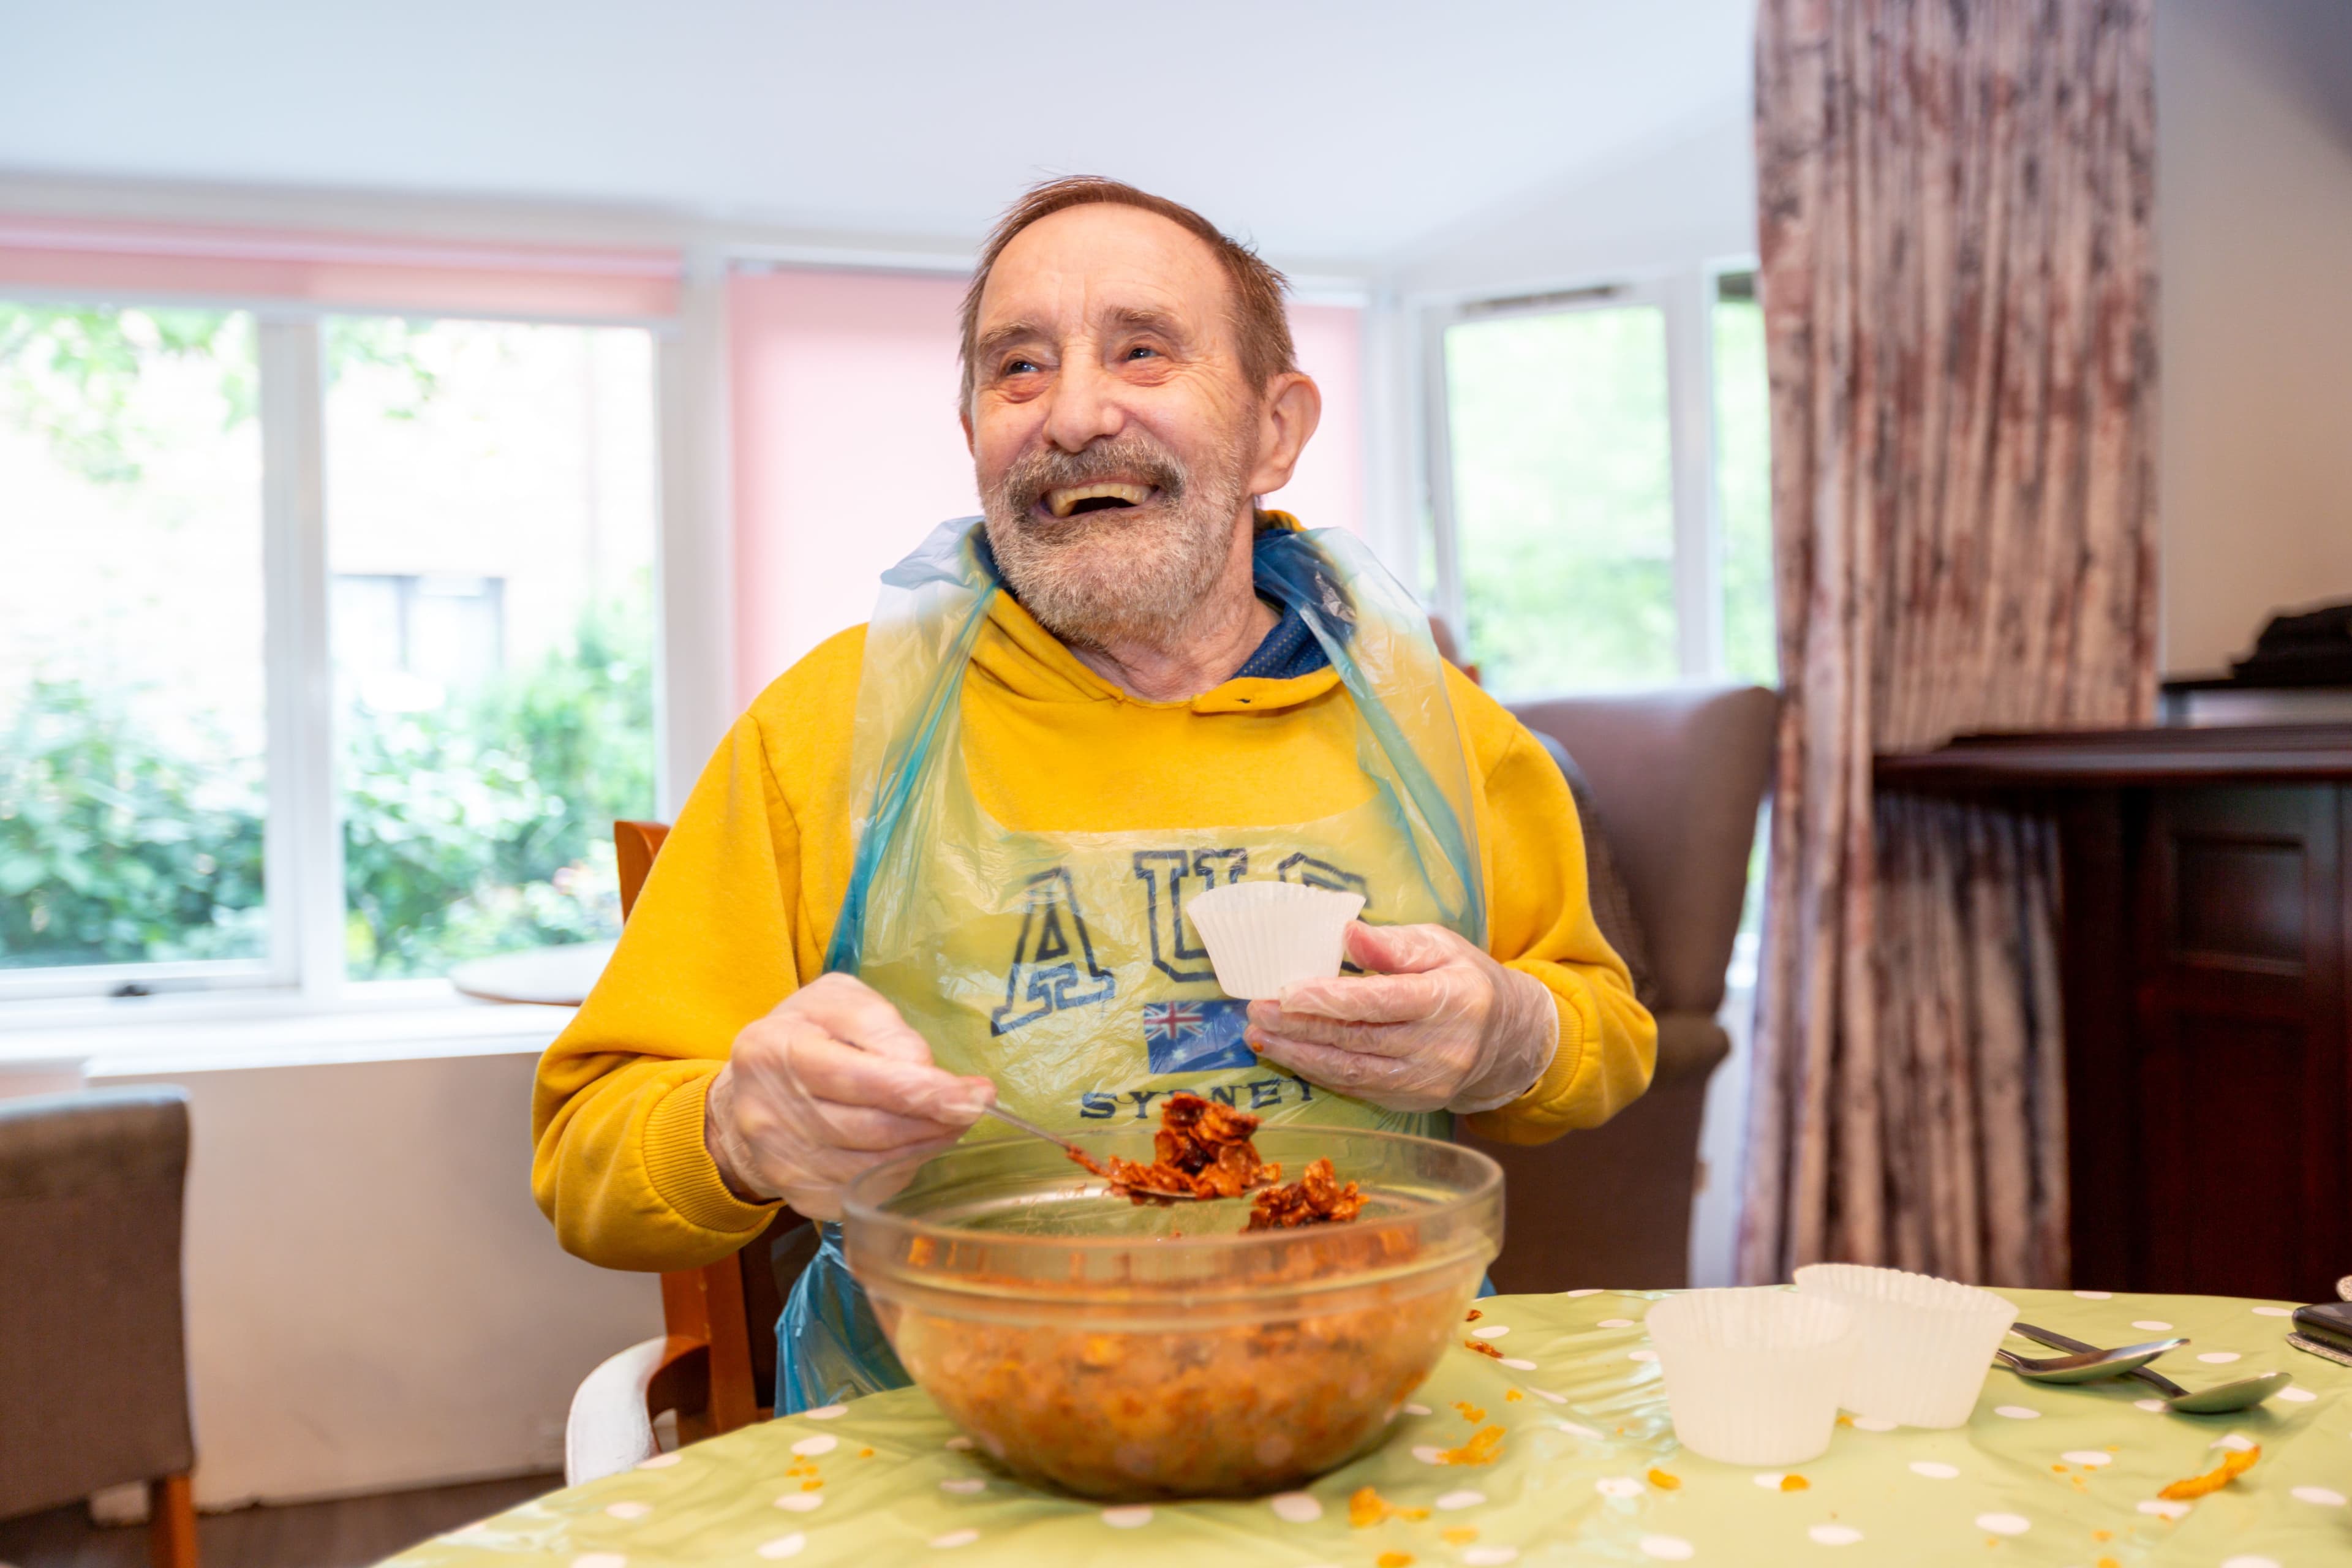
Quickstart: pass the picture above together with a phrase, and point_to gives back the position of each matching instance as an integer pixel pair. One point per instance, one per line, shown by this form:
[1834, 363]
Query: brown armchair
[1675, 778]
[93, 1357]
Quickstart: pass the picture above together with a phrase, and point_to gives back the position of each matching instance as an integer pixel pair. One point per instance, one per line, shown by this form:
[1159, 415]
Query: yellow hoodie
[742, 900]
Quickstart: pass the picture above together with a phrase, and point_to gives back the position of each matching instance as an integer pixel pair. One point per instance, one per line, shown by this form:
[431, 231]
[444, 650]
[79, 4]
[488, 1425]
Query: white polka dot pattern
[1573, 1430]
[2294, 1395]
[2004, 1523]
[1134, 1517]
[1490, 1331]
[1616, 1323]
[1935, 1470]
[1618, 1486]
[1491, 1556]
[782, 1547]
[1296, 1508]
[2236, 1442]
[1416, 1410]
[2153, 1406]
[1429, 1454]
[1666, 1548]
[2165, 1508]
[954, 1539]
[1588, 1290]
[659, 1461]
[1769, 1479]
[1518, 1363]
[1874, 1423]
[2218, 1358]
[2152, 1325]
[1547, 1396]
[963, 1486]
[2092, 1457]
[959, 1444]
[2249, 1561]
[822, 1443]
[2274, 1311]
[2319, 1497]
[600, 1559]
[2017, 1412]
[800, 1503]
[1452, 1501]
[824, 1412]
[1641, 1355]
[1835, 1534]
[629, 1509]
[2097, 1295]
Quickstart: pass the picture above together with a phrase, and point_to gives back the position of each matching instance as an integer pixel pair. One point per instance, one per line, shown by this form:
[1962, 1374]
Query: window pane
[490, 505]
[132, 724]
[1562, 505]
[1743, 477]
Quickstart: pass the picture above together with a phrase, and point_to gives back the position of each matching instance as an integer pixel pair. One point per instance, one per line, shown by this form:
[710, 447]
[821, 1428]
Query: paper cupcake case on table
[1752, 1375]
[1262, 936]
[1923, 1347]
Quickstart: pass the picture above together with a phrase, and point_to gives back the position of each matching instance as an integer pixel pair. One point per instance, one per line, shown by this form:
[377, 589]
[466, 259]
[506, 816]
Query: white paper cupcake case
[1262, 936]
[1923, 1346]
[1752, 1375]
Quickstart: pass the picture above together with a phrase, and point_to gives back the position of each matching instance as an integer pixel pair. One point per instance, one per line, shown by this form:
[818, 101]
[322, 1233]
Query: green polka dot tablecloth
[1588, 1472]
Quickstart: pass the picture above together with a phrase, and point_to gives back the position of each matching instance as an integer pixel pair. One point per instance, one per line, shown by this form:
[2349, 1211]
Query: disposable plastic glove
[1438, 1023]
[829, 1085]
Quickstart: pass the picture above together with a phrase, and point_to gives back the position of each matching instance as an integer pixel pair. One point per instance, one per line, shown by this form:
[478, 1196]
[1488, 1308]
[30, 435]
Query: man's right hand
[829, 1085]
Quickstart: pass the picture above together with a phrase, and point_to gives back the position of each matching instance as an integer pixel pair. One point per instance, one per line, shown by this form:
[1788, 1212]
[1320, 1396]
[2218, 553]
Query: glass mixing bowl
[1133, 1352]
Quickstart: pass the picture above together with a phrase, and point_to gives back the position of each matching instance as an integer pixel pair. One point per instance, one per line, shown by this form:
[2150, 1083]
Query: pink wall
[847, 450]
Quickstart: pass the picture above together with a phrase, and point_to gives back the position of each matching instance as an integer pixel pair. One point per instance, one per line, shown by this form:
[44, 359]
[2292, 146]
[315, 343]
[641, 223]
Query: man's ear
[963, 417]
[1293, 407]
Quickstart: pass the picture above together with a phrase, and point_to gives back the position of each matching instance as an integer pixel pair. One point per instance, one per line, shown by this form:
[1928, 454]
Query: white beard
[1120, 575]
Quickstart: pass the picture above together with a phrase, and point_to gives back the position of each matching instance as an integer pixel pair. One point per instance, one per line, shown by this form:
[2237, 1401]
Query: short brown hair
[1261, 326]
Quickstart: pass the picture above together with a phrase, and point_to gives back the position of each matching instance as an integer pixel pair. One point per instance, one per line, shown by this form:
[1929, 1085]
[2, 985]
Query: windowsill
[228, 1030]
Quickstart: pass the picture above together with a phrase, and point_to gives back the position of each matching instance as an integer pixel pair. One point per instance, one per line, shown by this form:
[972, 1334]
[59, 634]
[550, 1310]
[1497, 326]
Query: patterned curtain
[1958, 244]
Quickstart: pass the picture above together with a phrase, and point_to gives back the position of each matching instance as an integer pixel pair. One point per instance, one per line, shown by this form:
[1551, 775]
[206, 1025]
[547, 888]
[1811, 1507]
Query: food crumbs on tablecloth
[1845, 1420]
[1513, 1395]
[1483, 1348]
[1394, 1560]
[810, 1486]
[1484, 1447]
[2233, 1465]
[1366, 1508]
[1474, 1315]
[1794, 1483]
[1460, 1535]
[2110, 1562]
[1470, 1412]
[1664, 1483]
[865, 1453]
[2103, 1535]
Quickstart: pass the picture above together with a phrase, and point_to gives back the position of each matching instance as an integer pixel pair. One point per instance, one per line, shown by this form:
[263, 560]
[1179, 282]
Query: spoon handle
[2155, 1380]
[1031, 1127]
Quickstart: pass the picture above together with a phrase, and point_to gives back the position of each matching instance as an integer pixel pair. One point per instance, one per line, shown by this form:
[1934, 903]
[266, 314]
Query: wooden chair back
[720, 1370]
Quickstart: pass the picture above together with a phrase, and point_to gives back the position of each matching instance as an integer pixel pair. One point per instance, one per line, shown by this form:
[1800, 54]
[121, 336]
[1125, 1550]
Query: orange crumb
[2232, 1465]
[1514, 1396]
[1470, 1412]
[1460, 1535]
[812, 1486]
[1483, 1348]
[1794, 1483]
[2059, 1468]
[1474, 1315]
[1664, 1483]
[2103, 1535]
[1845, 1420]
[1367, 1507]
[2110, 1562]
[1394, 1560]
[1484, 1447]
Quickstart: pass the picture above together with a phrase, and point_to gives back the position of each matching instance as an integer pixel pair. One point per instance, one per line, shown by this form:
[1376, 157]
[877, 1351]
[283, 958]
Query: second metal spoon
[2089, 1366]
[2220, 1400]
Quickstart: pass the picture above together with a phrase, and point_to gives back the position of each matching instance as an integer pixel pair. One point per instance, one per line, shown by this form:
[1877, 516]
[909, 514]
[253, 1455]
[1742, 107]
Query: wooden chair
[715, 1366]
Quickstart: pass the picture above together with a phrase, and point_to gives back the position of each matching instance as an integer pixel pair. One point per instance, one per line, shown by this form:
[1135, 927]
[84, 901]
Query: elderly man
[944, 859]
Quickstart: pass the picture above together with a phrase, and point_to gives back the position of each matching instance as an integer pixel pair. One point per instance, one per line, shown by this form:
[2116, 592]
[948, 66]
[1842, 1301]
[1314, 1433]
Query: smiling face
[1117, 442]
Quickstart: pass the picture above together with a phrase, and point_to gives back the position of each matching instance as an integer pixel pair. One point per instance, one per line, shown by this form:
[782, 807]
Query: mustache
[1129, 457]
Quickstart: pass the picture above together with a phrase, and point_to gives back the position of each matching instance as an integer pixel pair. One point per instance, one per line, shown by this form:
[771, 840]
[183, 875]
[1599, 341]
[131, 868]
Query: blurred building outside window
[485, 576]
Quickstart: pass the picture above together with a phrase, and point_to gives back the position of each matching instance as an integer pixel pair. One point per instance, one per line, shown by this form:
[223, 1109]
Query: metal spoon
[2088, 1367]
[1031, 1127]
[2220, 1400]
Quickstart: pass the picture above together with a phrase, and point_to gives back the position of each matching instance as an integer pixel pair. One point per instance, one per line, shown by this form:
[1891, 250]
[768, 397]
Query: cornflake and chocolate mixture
[1203, 1149]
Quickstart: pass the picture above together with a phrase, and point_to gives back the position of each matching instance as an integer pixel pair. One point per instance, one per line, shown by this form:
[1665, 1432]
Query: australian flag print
[1196, 1037]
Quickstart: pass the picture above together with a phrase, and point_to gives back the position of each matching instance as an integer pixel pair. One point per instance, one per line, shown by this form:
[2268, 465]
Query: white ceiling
[1340, 131]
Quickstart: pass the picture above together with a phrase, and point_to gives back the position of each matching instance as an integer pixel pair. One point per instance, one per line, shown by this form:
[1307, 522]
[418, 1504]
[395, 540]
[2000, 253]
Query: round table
[550, 976]
[1588, 1472]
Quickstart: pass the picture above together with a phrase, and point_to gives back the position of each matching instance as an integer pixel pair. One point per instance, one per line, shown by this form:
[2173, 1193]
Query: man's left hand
[1436, 1024]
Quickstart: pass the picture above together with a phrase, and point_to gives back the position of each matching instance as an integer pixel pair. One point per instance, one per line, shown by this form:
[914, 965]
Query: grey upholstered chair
[93, 1360]
[1675, 778]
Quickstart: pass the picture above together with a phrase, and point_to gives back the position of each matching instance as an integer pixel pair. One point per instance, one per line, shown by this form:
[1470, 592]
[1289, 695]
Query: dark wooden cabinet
[2206, 941]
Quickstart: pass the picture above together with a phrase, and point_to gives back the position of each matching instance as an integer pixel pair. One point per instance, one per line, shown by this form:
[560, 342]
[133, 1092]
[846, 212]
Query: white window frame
[302, 854]
[1686, 297]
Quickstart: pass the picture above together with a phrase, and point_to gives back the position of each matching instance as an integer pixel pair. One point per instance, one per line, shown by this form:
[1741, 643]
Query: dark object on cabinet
[2313, 648]
[2207, 950]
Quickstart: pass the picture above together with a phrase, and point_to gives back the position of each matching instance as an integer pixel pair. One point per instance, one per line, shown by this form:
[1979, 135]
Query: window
[453, 520]
[1600, 489]
[133, 719]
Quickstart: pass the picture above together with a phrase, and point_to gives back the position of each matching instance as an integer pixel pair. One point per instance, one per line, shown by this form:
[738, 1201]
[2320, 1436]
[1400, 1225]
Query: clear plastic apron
[1059, 963]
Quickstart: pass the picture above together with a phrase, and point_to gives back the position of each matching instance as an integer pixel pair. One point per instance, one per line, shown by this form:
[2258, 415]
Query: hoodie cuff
[682, 1172]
